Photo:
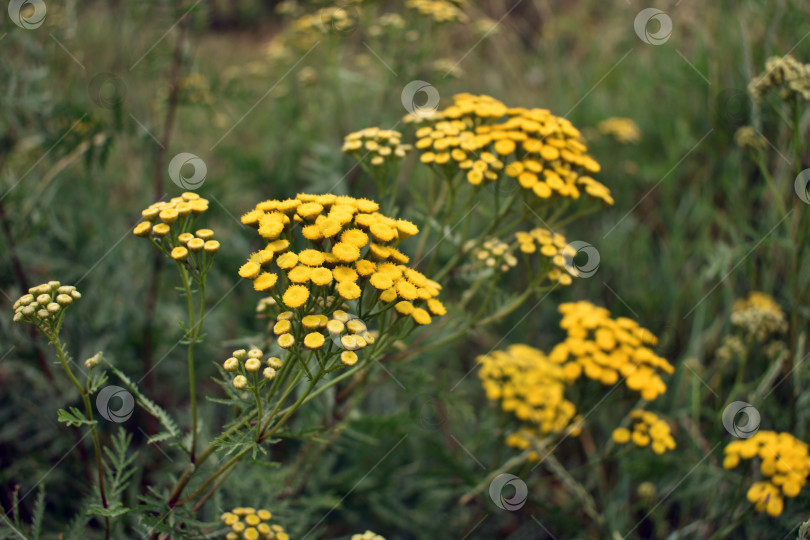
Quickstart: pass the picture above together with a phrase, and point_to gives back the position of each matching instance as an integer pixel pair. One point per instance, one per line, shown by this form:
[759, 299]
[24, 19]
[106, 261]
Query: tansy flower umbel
[170, 225]
[529, 386]
[378, 146]
[485, 140]
[784, 462]
[251, 524]
[606, 350]
[647, 430]
[324, 253]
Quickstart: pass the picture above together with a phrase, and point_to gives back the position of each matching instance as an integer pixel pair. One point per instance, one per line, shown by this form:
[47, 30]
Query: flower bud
[64, 299]
[255, 353]
[253, 365]
[275, 362]
[269, 373]
[93, 361]
[240, 354]
[196, 244]
[231, 364]
[240, 382]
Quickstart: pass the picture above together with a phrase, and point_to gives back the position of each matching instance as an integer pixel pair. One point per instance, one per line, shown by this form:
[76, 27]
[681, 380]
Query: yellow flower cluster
[785, 75]
[784, 462]
[482, 137]
[648, 430]
[624, 130]
[385, 24]
[45, 304]
[351, 333]
[368, 535]
[326, 20]
[493, 254]
[529, 386]
[759, 316]
[552, 246]
[605, 349]
[440, 10]
[168, 223]
[382, 144]
[349, 253]
[251, 524]
[194, 88]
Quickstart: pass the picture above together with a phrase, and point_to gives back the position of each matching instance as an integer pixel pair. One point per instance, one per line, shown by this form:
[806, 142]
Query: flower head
[347, 254]
[486, 141]
[44, 306]
[252, 524]
[784, 462]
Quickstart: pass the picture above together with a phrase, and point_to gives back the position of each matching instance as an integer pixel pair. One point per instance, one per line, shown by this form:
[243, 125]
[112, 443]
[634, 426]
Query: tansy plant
[546, 394]
[337, 282]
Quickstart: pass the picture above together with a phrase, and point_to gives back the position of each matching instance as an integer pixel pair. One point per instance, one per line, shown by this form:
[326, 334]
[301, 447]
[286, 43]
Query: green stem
[192, 338]
[88, 411]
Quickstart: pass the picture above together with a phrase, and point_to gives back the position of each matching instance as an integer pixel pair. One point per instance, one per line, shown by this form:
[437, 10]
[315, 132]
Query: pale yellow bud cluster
[44, 305]
[246, 365]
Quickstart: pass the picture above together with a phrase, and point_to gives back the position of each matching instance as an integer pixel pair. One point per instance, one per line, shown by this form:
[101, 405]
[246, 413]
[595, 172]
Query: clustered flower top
[624, 130]
[784, 461]
[647, 428]
[347, 251]
[784, 75]
[492, 254]
[440, 10]
[529, 386]
[383, 145]
[251, 524]
[169, 225]
[554, 247]
[605, 349]
[759, 316]
[44, 306]
[483, 137]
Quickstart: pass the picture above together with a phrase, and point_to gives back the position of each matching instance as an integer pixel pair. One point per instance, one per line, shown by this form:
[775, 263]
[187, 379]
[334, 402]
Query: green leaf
[113, 511]
[38, 514]
[74, 417]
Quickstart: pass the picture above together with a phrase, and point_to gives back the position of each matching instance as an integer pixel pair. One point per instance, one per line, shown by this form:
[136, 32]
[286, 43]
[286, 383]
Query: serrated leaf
[160, 437]
[112, 511]
[73, 418]
[39, 514]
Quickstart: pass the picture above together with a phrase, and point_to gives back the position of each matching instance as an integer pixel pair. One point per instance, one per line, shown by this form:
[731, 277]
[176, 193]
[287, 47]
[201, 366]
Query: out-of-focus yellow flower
[759, 316]
[784, 462]
[606, 349]
[486, 140]
[529, 386]
[440, 10]
[624, 130]
[784, 75]
[379, 146]
[647, 430]
[553, 248]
